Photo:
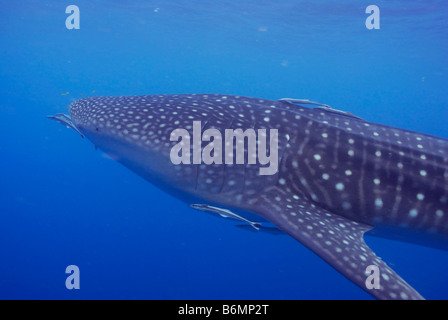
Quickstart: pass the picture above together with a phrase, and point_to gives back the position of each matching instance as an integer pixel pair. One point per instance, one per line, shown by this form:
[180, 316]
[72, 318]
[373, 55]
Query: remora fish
[338, 175]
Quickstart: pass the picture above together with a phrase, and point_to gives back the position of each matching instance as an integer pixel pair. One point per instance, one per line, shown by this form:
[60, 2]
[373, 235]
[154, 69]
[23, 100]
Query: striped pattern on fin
[337, 240]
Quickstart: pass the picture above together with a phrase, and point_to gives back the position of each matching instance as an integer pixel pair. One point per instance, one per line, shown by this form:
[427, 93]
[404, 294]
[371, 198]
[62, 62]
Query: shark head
[135, 131]
[160, 138]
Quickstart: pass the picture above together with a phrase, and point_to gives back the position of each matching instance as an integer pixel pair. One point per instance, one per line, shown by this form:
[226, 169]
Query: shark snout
[82, 117]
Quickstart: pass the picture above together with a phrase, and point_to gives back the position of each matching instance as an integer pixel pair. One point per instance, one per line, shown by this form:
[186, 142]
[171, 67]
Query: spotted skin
[339, 176]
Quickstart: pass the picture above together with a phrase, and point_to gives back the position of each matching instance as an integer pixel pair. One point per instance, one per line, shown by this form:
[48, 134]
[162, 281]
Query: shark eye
[97, 129]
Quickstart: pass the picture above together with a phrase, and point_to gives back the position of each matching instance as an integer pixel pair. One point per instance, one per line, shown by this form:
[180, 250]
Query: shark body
[338, 176]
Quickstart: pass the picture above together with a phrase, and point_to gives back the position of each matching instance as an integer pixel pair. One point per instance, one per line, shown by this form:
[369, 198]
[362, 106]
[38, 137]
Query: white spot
[317, 157]
[325, 176]
[378, 203]
[339, 186]
[348, 172]
[413, 213]
[376, 181]
[423, 173]
[281, 181]
[420, 196]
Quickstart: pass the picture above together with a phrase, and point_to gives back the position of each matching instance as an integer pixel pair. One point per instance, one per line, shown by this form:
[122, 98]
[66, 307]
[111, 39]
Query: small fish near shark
[336, 176]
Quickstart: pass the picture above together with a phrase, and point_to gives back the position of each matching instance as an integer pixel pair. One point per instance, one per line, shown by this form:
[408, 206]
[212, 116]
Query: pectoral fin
[337, 240]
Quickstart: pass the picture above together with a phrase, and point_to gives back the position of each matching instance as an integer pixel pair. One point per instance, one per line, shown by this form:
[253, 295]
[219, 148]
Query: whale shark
[337, 176]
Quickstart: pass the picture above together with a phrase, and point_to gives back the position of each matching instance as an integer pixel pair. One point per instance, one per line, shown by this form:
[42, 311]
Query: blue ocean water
[63, 203]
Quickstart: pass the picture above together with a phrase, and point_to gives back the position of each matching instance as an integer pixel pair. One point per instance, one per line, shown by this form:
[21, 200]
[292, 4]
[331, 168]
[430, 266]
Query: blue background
[62, 203]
